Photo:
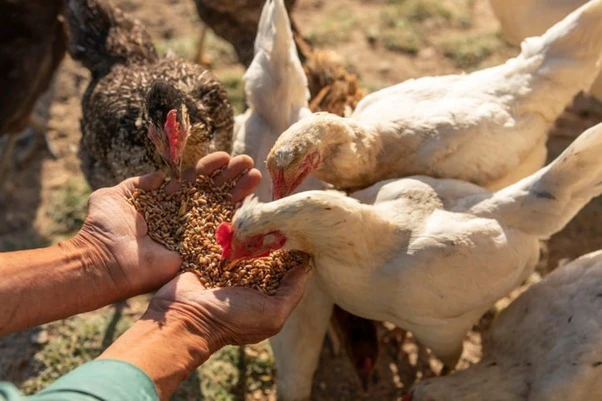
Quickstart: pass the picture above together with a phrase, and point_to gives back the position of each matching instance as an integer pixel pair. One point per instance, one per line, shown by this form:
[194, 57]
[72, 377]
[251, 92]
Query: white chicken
[276, 91]
[429, 255]
[521, 19]
[488, 127]
[277, 95]
[545, 346]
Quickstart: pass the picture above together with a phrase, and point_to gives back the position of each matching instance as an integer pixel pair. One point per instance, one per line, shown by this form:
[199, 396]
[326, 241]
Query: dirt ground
[45, 201]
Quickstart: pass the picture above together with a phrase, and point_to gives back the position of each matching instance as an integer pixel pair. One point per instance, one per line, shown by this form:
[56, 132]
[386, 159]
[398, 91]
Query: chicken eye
[248, 245]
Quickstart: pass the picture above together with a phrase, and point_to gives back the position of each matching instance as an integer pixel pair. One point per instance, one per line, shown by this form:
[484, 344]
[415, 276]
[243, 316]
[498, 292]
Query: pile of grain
[185, 222]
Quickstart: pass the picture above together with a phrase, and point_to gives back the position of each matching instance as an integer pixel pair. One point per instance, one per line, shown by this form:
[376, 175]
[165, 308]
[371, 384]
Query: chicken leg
[200, 57]
[297, 347]
[5, 159]
[37, 138]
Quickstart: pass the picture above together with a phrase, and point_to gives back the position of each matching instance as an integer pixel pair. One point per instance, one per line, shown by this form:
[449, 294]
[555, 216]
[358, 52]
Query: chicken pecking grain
[432, 255]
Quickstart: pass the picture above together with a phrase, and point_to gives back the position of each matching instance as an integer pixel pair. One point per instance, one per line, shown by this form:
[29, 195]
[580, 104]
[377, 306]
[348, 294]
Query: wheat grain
[185, 222]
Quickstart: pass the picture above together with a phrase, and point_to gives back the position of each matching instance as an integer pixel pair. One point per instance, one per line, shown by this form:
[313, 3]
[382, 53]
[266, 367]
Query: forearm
[163, 346]
[47, 284]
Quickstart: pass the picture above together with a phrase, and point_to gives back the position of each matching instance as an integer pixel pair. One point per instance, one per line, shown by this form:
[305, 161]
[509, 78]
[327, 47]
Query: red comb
[223, 234]
[172, 128]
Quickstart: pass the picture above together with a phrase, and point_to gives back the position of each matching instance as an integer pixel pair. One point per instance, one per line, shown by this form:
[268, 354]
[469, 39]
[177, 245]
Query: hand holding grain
[233, 315]
[119, 234]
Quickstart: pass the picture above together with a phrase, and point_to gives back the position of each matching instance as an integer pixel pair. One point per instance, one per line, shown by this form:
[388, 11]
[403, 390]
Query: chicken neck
[322, 223]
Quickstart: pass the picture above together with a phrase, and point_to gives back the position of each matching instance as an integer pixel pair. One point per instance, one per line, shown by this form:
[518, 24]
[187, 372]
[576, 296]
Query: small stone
[41, 337]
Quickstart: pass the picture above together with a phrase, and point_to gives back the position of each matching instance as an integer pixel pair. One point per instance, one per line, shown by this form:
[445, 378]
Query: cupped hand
[118, 233]
[232, 315]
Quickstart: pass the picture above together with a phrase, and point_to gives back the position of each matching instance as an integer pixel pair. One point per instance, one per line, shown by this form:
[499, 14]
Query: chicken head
[286, 177]
[169, 125]
[255, 246]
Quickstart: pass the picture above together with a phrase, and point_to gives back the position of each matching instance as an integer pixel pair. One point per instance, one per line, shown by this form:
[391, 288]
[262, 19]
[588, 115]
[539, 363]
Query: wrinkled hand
[134, 262]
[232, 315]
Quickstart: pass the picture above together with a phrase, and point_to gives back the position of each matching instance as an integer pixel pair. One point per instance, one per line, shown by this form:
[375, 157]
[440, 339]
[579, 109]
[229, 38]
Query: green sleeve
[102, 380]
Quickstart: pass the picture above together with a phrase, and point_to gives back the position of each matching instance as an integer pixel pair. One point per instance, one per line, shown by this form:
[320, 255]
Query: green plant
[404, 39]
[235, 87]
[68, 207]
[468, 52]
[73, 342]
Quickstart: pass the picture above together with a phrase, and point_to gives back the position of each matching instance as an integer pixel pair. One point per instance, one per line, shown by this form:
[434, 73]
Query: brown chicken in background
[33, 43]
[332, 86]
[235, 21]
[140, 111]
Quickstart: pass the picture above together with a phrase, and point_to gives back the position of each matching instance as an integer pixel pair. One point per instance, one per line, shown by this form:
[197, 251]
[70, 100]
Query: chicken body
[488, 127]
[235, 21]
[429, 255]
[33, 43]
[276, 91]
[521, 19]
[124, 65]
[545, 346]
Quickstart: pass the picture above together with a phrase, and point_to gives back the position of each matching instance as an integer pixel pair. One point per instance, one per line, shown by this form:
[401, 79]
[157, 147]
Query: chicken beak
[279, 187]
[227, 264]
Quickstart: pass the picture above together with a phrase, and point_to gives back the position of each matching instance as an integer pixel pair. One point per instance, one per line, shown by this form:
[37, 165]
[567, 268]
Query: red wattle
[223, 235]
[172, 129]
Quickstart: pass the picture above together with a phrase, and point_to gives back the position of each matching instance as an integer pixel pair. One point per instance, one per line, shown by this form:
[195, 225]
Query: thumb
[146, 182]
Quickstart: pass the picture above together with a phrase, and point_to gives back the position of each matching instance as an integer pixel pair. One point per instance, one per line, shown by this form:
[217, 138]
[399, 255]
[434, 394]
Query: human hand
[233, 315]
[117, 234]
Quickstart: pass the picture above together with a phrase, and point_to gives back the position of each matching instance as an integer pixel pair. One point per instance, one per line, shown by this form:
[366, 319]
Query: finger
[146, 182]
[292, 287]
[207, 165]
[246, 185]
[236, 167]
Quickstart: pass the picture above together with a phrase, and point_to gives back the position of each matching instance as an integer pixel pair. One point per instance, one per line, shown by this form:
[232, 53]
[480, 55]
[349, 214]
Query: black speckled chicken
[33, 43]
[141, 112]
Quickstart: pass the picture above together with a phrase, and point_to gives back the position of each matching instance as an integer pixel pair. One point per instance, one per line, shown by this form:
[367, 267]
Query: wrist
[193, 319]
[92, 252]
[97, 263]
[164, 346]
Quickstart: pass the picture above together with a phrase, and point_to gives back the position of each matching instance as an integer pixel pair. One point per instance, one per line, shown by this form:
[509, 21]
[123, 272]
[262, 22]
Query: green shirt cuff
[103, 380]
